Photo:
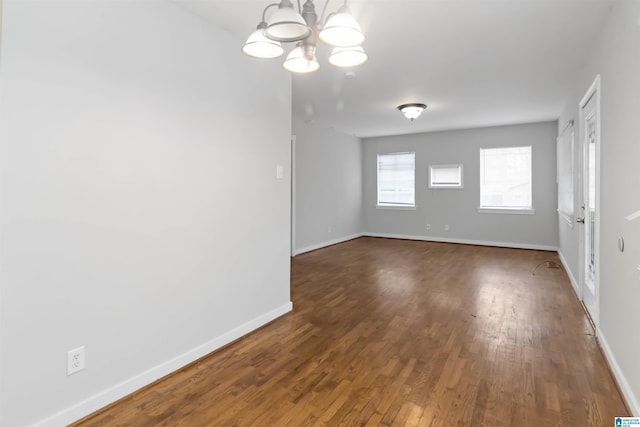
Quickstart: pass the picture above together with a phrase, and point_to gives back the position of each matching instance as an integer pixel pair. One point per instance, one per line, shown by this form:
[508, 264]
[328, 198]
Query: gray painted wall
[616, 59]
[140, 211]
[458, 208]
[328, 186]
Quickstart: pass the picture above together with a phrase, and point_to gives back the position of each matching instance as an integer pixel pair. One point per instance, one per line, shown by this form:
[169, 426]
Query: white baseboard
[118, 391]
[625, 388]
[629, 396]
[572, 279]
[326, 243]
[464, 241]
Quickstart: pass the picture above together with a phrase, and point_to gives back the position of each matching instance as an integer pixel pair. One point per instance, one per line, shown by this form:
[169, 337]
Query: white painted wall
[328, 186]
[616, 57]
[140, 211]
[458, 208]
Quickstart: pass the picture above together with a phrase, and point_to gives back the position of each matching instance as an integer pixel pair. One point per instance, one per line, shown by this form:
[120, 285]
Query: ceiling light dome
[286, 25]
[258, 46]
[342, 30]
[412, 111]
[297, 61]
[345, 57]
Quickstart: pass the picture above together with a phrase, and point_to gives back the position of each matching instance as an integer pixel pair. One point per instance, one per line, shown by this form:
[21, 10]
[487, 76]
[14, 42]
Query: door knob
[580, 220]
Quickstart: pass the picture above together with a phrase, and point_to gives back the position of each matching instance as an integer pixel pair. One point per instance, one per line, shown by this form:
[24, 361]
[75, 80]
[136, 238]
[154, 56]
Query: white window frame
[446, 185]
[398, 206]
[524, 210]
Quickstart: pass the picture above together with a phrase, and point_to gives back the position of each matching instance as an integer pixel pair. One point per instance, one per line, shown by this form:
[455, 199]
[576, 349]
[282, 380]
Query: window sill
[397, 207]
[446, 187]
[514, 211]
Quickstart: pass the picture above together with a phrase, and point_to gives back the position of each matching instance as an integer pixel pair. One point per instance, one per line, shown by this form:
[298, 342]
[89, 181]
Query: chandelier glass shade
[287, 25]
[347, 57]
[342, 30]
[259, 46]
[412, 111]
[298, 62]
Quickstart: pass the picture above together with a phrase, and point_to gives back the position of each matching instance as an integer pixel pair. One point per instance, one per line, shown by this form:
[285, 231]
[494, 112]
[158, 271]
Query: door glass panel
[590, 211]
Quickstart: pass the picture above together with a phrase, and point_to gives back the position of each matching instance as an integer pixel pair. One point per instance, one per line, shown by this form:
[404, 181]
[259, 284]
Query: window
[445, 176]
[505, 179]
[396, 180]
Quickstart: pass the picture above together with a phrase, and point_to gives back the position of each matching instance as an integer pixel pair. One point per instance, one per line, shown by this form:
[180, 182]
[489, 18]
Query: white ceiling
[474, 62]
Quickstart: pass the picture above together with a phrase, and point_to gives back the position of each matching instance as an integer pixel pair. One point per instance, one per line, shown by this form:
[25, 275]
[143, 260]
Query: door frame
[593, 91]
[293, 195]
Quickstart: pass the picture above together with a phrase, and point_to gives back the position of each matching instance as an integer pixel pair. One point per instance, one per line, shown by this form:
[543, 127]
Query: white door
[589, 248]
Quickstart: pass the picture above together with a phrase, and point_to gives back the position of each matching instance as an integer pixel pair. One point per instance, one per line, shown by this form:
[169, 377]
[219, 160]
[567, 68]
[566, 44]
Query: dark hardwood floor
[400, 333]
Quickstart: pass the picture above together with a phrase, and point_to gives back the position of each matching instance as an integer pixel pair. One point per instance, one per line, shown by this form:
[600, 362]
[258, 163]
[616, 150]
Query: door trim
[594, 90]
[293, 195]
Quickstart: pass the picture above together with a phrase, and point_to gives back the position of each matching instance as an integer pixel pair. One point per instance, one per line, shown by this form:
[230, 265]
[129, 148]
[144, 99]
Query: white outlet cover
[75, 360]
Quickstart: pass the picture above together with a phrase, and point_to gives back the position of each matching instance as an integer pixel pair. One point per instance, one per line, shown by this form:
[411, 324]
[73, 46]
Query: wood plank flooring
[400, 333]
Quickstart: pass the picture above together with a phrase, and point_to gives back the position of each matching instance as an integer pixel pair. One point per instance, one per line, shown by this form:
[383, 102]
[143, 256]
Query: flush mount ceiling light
[412, 111]
[286, 25]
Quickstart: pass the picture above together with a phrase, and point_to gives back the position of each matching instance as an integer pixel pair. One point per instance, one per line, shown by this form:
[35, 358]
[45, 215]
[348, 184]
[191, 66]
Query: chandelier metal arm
[264, 12]
[309, 14]
[323, 15]
[311, 18]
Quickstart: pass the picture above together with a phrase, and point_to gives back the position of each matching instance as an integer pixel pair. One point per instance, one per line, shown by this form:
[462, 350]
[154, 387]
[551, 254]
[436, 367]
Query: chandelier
[286, 25]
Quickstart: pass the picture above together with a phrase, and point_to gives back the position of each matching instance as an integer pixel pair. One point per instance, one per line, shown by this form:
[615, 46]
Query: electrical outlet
[428, 226]
[328, 229]
[446, 227]
[75, 360]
